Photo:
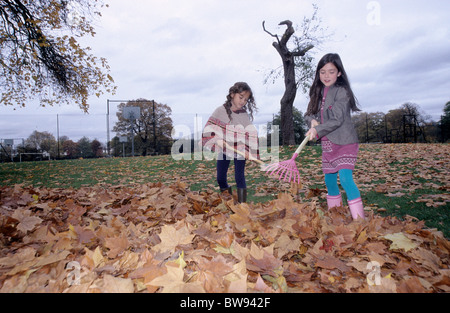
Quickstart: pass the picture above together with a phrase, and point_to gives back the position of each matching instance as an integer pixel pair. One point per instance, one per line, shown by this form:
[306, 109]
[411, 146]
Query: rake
[243, 154]
[287, 170]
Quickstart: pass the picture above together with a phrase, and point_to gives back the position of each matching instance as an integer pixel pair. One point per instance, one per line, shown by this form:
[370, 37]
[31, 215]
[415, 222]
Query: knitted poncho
[239, 132]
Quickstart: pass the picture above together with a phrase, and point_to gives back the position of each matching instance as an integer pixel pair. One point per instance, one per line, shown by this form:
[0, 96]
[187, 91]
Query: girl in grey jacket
[329, 118]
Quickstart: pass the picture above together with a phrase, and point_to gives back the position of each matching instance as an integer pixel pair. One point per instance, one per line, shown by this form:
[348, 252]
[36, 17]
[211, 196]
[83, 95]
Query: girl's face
[329, 74]
[239, 100]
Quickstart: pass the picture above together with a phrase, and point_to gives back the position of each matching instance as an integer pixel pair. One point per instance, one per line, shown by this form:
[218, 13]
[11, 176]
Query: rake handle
[243, 154]
[302, 145]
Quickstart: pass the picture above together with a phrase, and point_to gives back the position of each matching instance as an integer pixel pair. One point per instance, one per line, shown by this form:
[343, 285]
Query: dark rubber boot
[226, 189]
[242, 195]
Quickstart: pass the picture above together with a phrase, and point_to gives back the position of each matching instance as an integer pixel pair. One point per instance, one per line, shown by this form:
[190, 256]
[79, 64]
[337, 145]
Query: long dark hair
[239, 87]
[315, 92]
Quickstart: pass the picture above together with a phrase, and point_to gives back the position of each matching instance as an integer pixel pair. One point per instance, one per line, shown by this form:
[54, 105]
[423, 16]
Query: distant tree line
[408, 123]
[152, 133]
[65, 148]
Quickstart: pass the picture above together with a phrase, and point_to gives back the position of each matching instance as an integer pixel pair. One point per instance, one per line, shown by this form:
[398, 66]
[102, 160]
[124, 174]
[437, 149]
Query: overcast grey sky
[187, 53]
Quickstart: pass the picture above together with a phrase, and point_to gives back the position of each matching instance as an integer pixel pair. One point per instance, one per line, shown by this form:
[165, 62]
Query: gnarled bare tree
[297, 67]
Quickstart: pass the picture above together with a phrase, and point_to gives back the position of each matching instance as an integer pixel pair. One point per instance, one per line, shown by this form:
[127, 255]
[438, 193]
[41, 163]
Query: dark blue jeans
[239, 172]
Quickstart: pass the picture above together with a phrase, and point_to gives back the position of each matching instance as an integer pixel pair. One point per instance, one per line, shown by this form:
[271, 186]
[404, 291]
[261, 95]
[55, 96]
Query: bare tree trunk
[287, 101]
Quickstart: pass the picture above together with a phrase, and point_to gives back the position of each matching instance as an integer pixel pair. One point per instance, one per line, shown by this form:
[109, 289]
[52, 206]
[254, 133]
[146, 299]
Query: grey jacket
[337, 123]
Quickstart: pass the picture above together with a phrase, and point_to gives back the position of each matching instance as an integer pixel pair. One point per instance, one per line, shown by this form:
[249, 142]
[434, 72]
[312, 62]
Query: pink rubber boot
[356, 208]
[334, 201]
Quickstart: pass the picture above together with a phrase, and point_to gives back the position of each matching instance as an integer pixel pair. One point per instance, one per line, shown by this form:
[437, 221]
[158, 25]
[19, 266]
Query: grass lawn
[400, 179]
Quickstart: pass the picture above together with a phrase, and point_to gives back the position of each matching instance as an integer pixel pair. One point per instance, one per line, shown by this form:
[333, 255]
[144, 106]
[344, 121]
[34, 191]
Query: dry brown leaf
[171, 237]
[111, 284]
[116, 245]
[330, 262]
[27, 222]
[173, 282]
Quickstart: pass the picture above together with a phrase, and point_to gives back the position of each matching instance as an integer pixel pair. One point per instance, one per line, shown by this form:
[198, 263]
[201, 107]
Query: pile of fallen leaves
[158, 238]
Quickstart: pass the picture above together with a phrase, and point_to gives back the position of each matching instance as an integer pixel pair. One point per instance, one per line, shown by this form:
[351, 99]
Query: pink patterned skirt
[336, 157]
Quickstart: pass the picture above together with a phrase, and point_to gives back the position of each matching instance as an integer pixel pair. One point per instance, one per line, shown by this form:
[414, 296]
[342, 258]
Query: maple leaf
[26, 221]
[359, 264]
[327, 245]
[285, 244]
[16, 284]
[330, 262]
[268, 264]
[279, 282]
[225, 250]
[261, 286]
[116, 245]
[173, 282]
[225, 243]
[38, 262]
[217, 265]
[400, 241]
[93, 259]
[427, 259]
[241, 217]
[236, 281]
[23, 255]
[180, 211]
[173, 235]
[412, 285]
[84, 235]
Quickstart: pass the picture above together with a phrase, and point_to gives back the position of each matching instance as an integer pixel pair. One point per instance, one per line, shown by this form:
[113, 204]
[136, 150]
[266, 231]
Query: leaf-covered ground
[158, 225]
[157, 237]
[418, 173]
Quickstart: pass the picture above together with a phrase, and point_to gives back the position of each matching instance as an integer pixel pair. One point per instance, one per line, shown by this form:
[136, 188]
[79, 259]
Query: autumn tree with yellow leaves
[41, 58]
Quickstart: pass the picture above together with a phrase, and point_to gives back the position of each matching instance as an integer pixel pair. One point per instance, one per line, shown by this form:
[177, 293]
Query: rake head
[286, 170]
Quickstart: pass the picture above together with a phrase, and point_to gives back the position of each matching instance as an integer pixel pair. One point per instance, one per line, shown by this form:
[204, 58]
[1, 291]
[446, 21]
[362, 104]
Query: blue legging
[239, 172]
[346, 179]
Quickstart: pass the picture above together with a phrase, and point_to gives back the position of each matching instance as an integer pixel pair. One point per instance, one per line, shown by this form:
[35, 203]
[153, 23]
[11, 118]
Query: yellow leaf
[225, 250]
[400, 241]
[362, 237]
[97, 257]
[179, 262]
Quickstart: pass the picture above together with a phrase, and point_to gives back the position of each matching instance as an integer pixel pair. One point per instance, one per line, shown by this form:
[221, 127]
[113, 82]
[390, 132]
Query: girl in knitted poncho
[231, 124]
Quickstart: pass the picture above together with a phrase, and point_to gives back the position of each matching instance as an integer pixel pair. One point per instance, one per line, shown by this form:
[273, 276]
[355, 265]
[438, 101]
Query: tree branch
[264, 28]
[302, 52]
[288, 33]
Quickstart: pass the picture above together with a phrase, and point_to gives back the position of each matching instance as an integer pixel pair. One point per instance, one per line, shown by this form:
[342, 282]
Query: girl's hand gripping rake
[287, 170]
